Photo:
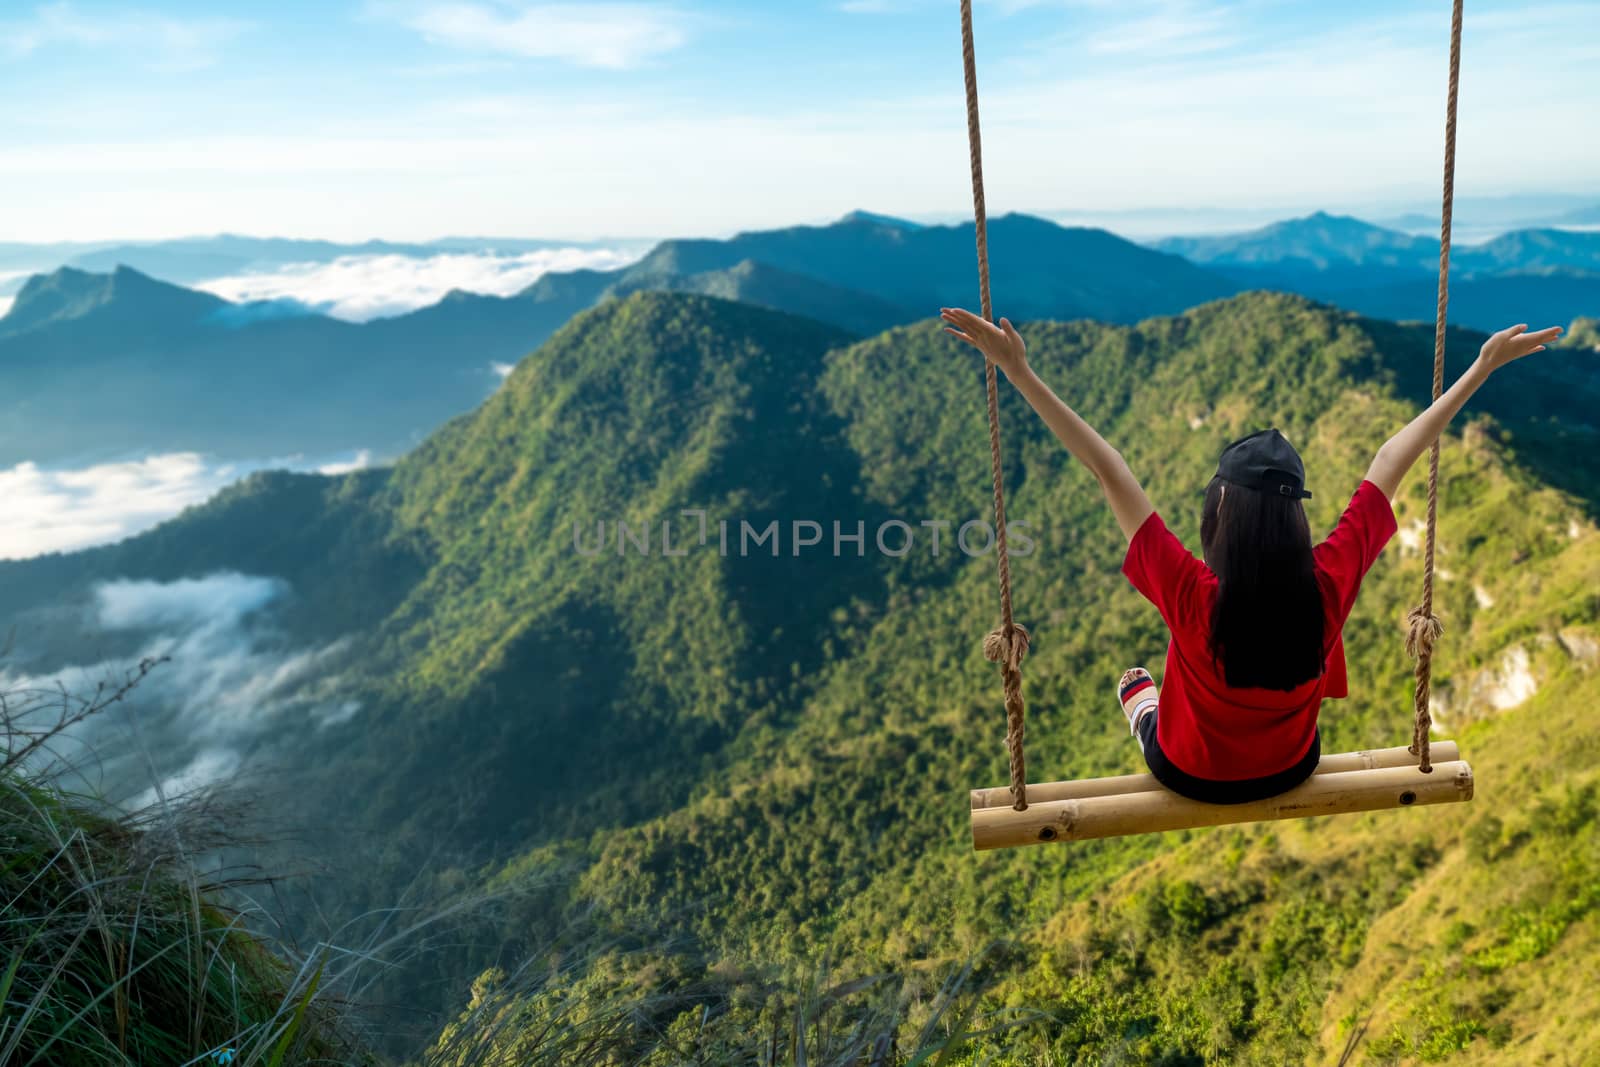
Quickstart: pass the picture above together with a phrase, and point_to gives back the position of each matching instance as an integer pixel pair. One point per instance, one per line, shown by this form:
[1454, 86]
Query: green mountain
[755, 757]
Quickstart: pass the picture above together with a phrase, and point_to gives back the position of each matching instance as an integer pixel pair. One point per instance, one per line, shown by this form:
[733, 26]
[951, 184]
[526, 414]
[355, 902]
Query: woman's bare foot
[1138, 695]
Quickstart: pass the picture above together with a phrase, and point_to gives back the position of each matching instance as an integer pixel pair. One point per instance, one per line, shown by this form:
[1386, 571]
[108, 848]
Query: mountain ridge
[1321, 242]
[90, 391]
[1317, 240]
[70, 294]
[1542, 275]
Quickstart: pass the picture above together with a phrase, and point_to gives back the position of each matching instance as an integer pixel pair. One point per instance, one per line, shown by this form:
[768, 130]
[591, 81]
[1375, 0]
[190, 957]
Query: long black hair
[1267, 624]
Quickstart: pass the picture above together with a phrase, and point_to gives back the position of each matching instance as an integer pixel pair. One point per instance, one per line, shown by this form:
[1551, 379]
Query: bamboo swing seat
[1022, 814]
[1344, 782]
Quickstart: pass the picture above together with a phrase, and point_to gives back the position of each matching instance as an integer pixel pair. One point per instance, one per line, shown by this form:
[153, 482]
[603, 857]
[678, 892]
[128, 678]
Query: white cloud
[157, 41]
[358, 288]
[217, 600]
[230, 686]
[208, 766]
[63, 510]
[10, 282]
[503, 369]
[609, 35]
[359, 462]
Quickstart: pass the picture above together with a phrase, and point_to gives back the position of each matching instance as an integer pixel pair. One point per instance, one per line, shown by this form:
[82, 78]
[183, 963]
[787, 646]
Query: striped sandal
[1138, 695]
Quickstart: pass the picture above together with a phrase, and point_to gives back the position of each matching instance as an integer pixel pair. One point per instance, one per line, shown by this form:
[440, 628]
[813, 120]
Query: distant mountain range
[99, 365]
[1500, 214]
[1312, 245]
[1583, 216]
[96, 365]
[1548, 275]
[187, 260]
[1322, 244]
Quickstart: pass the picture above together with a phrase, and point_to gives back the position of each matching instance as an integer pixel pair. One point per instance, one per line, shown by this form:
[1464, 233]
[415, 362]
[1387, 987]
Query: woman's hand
[1514, 342]
[1001, 344]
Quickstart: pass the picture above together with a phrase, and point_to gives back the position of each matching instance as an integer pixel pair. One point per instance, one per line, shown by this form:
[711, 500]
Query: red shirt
[1207, 728]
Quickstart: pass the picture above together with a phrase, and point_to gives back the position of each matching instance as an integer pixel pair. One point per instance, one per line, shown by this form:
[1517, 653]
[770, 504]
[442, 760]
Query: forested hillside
[740, 762]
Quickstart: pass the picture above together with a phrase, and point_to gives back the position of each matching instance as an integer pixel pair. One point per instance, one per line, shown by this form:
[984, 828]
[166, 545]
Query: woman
[1256, 628]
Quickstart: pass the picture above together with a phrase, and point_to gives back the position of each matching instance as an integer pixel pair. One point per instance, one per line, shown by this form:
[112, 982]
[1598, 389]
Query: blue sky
[416, 118]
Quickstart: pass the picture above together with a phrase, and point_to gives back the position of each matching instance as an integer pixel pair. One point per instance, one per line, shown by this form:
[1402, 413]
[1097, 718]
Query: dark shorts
[1237, 792]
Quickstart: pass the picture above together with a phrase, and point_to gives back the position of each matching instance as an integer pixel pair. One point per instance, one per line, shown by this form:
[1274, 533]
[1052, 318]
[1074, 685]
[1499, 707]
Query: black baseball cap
[1265, 461]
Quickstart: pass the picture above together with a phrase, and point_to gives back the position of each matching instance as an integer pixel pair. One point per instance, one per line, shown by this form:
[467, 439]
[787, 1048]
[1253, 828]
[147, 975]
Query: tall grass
[125, 941]
[117, 945]
[536, 1017]
[118, 951]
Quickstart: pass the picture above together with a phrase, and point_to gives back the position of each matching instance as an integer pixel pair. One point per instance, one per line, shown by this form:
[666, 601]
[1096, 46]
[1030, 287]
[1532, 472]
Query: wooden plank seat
[1138, 804]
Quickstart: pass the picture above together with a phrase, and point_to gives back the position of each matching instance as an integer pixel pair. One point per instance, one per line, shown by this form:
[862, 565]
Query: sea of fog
[359, 287]
[59, 509]
[362, 287]
[229, 682]
[226, 684]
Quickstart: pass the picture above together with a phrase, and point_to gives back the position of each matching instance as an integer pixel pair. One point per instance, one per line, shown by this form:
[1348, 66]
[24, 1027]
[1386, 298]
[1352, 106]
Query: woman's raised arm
[1398, 453]
[1004, 348]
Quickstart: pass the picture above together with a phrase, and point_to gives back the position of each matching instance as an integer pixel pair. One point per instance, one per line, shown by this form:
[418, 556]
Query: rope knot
[1000, 648]
[1425, 629]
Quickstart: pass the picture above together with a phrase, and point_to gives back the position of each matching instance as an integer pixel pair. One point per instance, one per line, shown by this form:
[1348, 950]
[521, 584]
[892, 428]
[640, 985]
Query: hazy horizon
[1473, 214]
[359, 286]
[655, 118]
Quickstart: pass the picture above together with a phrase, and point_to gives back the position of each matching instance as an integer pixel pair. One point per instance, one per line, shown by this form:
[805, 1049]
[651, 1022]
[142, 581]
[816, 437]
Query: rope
[1009, 642]
[1425, 626]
